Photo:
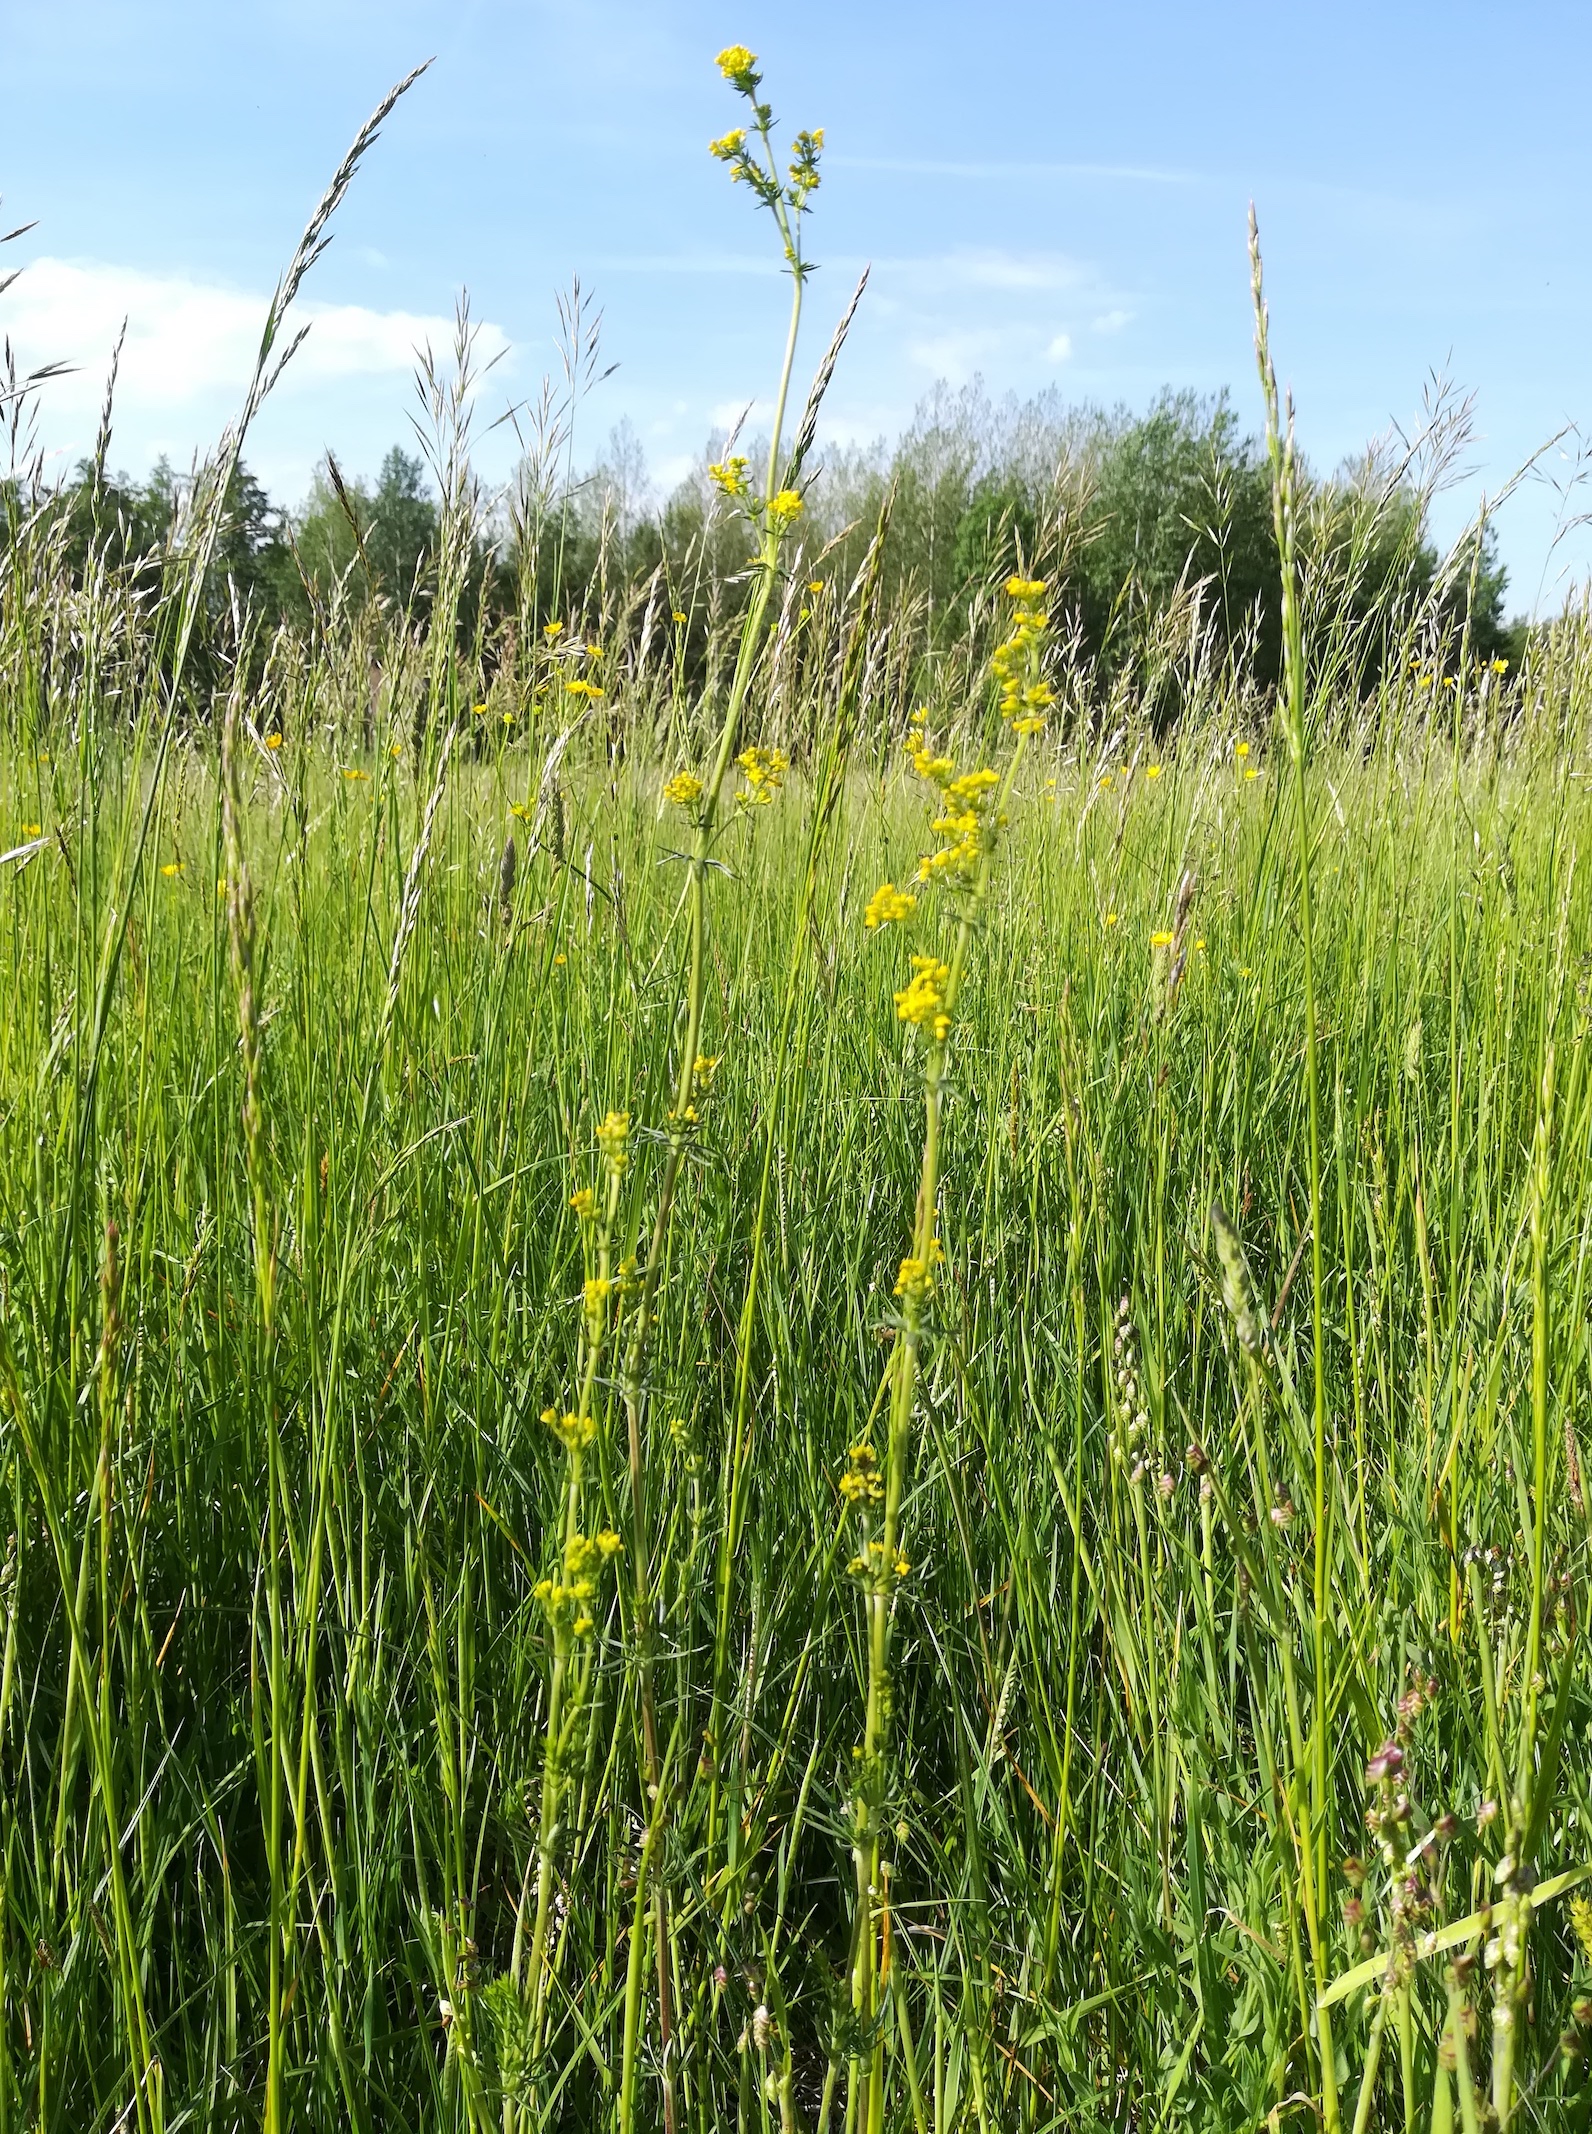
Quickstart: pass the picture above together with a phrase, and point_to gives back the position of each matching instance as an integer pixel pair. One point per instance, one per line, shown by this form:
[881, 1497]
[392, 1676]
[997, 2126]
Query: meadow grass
[626, 1508]
[1091, 1847]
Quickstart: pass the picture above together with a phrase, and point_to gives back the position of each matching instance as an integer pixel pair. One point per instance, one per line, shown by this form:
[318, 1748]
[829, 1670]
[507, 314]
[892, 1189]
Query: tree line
[1126, 513]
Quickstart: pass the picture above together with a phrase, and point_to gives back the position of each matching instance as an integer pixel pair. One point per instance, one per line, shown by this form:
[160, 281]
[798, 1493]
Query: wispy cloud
[987, 267]
[188, 341]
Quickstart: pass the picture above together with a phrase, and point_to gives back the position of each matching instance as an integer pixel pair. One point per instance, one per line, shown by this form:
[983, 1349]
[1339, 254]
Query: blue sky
[1048, 196]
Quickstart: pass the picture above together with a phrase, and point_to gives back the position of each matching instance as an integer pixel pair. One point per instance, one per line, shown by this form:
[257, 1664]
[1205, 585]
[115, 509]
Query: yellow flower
[728, 145]
[1251, 774]
[1161, 939]
[273, 740]
[580, 687]
[1025, 588]
[572, 1431]
[561, 957]
[396, 751]
[785, 508]
[478, 711]
[1105, 782]
[550, 630]
[915, 1281]
[1500, 666]
[729, 475]
[1241, 751]
[735, 63]
[815, 585]
[612, 1138]
[521, 809]
[682, 789]
[1111, 918]
[584, 1203]
[1152, 770]
[679, 614]
[1423, 681]
[765, 770]
[888, 906]
[32, 829]
[355, 777]
[172, 867]
[923, 1000]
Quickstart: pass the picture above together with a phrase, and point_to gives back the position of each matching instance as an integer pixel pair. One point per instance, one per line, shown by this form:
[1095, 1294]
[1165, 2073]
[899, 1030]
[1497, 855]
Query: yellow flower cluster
[612, 1142]
[737, 65]
[683, 790]
[888, 906]
[862, 1483]
[729, 475]
[568, 1599]
[804, 179]
[574, 1432]
[580, 687]
[877, 1569]
[765, 770]
[1025, 695]
[728, 145]
[584, 1204]
[915, 1281]
[785, 508]
[967, 824]
[922, 1001]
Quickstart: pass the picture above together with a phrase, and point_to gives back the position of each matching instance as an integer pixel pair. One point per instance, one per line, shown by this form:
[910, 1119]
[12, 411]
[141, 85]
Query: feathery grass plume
[1238, 1290]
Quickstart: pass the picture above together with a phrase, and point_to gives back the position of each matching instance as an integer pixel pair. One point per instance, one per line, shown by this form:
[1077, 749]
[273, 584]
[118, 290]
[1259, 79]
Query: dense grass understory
[274, 1712]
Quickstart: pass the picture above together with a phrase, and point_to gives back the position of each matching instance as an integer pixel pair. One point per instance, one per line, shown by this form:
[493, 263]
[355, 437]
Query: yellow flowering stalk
[569, 1593]
[750, 155]
[967, 826]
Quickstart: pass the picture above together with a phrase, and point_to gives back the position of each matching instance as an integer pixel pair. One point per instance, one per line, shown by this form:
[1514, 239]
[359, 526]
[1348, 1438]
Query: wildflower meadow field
[764, 1368]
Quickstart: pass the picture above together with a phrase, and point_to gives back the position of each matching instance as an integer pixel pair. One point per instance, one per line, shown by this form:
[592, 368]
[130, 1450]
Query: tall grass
[617, 1517]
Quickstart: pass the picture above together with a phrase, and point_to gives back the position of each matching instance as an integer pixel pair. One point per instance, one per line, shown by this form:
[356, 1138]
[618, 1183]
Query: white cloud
[1060, 348]
[190, 342]
[1112, 321]
[990, 268]
[955, 355]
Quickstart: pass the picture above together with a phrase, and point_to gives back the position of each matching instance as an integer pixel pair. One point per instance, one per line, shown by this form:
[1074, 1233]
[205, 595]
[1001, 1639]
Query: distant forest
[1125, 513]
